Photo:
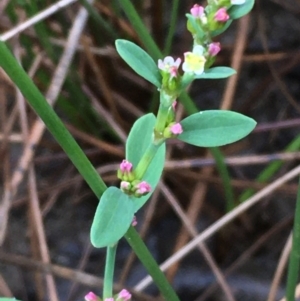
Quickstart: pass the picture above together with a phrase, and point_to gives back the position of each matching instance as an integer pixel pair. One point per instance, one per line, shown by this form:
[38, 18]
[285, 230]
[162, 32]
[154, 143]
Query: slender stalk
[50, 118]
[140, 28]
[223, 172]
[161, 119]
[99, 20]
[109, 271]
[293, 268]
[40, 28]
[271, 169]
[150, 264]
[172, 26]
[146, 160]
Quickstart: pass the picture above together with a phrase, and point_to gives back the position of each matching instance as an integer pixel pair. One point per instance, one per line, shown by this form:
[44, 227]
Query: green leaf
[215, 128]
[138, 141]
[237, 11]
[216, 72]
[139, 60]
[221, 30]
[8, 299]
[196, 26]
[112, 219]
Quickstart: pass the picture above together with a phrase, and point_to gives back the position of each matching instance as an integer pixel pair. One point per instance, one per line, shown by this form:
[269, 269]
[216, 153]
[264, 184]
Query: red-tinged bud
[221, 15]
[91, 297]
[124, 295]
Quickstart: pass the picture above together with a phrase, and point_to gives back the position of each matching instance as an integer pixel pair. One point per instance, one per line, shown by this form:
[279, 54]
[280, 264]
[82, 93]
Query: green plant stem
[172, 26]
[146, 160]
[140, 28]
[157, 141]
[51, 120]
[223, 172]
[161, 119]
[150, 265]
[99, 20]
[270, 170]
[109, 271]
[40, 28]
[293, 268]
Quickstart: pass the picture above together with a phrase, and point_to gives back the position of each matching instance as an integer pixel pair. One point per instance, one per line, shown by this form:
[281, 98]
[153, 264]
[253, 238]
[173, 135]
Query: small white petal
[161, 65]
[177, 63]
[168, 60]
[185, 67]
[198, 50]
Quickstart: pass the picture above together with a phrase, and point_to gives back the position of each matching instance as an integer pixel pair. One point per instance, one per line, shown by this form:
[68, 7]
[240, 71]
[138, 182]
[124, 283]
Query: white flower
[194, 61]
[168, 63]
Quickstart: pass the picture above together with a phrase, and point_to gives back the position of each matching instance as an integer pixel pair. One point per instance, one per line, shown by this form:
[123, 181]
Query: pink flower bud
[221, 15]
[133, 224]
[125, 166]
[197, 11]
[176, 129]
[214, 48]
[91, 297]
[169, 65]
[173, 71]
[124, 295]
[143, 188]
[125, 186]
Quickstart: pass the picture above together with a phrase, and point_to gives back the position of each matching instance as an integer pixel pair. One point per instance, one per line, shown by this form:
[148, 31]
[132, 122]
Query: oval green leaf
[196, 26]
[138, 141]
[216, 72]
[8, 299]
[215, 128]
[139, 60]
[237, 11]
[112, 219]
[221, 30]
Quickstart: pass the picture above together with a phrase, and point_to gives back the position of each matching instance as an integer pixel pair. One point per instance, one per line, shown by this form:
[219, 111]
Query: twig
[38, 128]
[37, 18]
[227, 218]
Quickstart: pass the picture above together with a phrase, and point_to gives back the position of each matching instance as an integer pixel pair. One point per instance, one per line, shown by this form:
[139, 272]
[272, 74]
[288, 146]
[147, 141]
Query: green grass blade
[51, 120]
[271, 169]
[41, 29]
[141, 29]
[293, 268]
[223, 172]
[97, 18]
[150, 264]
[172, 27]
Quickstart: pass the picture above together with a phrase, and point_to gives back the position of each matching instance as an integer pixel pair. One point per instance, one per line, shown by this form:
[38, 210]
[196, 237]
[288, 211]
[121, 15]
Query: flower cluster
[171, 78]
[129, 184]
[124, 295]
[173, 129]
[136, 188]
[203, 22]
[125, 171]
